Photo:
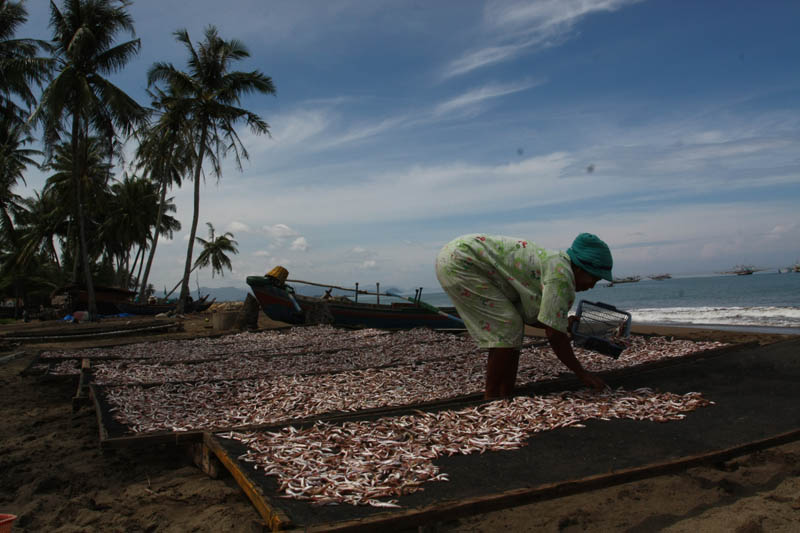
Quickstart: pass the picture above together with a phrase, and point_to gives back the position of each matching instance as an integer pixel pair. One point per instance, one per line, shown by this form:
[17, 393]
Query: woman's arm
[563, 348]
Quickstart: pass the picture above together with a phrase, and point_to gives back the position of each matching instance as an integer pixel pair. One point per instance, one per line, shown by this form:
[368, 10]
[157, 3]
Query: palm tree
[214, 250]
[62, 186]
[165, 153]
[14, 159]
[131, 222]
[18, 63]
[41, 220]
[132, 207]
[209, 95]
[79, 97]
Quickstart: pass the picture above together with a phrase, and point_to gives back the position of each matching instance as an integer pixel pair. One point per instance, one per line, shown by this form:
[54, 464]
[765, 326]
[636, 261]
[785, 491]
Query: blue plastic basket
[600, 327]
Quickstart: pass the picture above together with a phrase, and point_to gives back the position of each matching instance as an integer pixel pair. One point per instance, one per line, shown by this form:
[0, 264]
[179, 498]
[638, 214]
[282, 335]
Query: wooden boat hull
[277, 304]
[144, 309]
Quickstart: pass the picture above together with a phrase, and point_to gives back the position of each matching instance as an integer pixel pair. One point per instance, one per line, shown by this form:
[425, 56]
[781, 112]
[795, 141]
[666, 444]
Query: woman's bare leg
[501, 372]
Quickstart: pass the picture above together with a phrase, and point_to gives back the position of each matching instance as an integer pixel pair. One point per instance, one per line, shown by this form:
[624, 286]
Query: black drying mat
[756, 394]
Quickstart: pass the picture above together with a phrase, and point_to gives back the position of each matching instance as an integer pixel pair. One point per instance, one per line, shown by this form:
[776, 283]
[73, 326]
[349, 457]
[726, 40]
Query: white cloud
[513, 28]
[484, 57]
[261, 253]
[366, 131]
[299, 245]
[296, 128]
[235, 226]
[279, 233]
[369, 264]
[477, 96]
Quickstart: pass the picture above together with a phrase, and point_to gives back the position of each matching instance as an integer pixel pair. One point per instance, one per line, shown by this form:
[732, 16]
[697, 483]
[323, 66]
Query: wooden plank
[99, 414]
[8, 358]
[79, 335]
[28, 370]
[275, 518]
[458, 509]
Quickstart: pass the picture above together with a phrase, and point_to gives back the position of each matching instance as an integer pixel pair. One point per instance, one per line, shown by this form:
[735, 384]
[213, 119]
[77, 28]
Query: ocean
[759, 302]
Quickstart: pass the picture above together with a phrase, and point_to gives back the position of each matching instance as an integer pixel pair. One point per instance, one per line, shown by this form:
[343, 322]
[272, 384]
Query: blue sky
[671, 129]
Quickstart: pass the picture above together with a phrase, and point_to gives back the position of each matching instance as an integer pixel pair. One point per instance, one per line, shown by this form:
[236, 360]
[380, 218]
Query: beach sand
[54, 476]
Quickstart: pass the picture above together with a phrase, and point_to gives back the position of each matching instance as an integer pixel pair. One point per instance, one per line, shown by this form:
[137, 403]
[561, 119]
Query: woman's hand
[592, 381]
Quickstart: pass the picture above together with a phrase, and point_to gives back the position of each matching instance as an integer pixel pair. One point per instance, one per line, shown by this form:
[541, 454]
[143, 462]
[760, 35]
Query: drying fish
[283, 397]
[358, 462]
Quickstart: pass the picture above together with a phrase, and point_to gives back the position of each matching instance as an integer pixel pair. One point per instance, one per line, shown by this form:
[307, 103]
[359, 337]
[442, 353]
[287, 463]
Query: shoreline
[706, 332]
[740, 328]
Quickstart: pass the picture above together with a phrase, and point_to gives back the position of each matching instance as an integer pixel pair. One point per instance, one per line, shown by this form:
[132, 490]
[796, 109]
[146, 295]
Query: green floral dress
[499, 284]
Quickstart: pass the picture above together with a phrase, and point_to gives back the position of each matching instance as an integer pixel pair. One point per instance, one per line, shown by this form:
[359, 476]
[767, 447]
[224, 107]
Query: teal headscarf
[592, 255]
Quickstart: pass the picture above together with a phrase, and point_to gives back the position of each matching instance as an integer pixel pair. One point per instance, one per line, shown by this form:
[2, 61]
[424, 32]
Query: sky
[669, 128]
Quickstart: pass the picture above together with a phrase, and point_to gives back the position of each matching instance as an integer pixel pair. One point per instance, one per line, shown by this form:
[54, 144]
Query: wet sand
[55, 478]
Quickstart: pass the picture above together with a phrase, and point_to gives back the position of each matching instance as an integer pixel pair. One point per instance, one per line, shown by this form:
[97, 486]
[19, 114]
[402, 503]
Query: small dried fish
[358, 462]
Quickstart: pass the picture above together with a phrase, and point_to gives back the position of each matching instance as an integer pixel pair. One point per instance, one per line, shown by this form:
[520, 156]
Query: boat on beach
[281, 302]
[151, 309]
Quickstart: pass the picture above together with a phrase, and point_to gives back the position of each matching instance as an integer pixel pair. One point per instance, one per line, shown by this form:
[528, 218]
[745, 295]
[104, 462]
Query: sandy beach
[55, 477]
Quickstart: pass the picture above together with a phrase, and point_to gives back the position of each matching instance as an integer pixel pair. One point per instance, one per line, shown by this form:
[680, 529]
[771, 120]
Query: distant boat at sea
[660, 277]
[629, 279]
[743, 270]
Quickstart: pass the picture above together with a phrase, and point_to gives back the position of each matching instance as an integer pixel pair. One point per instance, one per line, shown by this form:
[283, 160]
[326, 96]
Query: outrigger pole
[356, 290]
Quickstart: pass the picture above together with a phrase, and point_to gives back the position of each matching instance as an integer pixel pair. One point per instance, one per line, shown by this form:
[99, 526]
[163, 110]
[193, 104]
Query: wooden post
[378, 292]
[80, 396]
[356, 292]
[205, 460]
[248, 314]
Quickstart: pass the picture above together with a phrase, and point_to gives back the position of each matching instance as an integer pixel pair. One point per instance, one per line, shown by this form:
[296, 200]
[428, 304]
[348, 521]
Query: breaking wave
[734, 316]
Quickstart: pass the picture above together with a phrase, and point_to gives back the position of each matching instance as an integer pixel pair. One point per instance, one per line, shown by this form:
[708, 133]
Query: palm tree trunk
[52, 250]
[188, 267]
[161, 208]
[139, 254]
[167, 294]
[76, 175]
[143, 248]
[75, 261]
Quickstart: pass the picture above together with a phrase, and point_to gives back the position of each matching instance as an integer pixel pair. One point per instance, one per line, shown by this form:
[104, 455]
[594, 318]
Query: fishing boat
[150, 309]
[629, 279]
[743, 270]
[280, 302]
[76, 298]
[660, 277]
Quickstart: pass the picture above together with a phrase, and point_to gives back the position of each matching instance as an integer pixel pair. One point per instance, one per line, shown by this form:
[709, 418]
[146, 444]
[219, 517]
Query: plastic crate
[6, 521]
[600, 327]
